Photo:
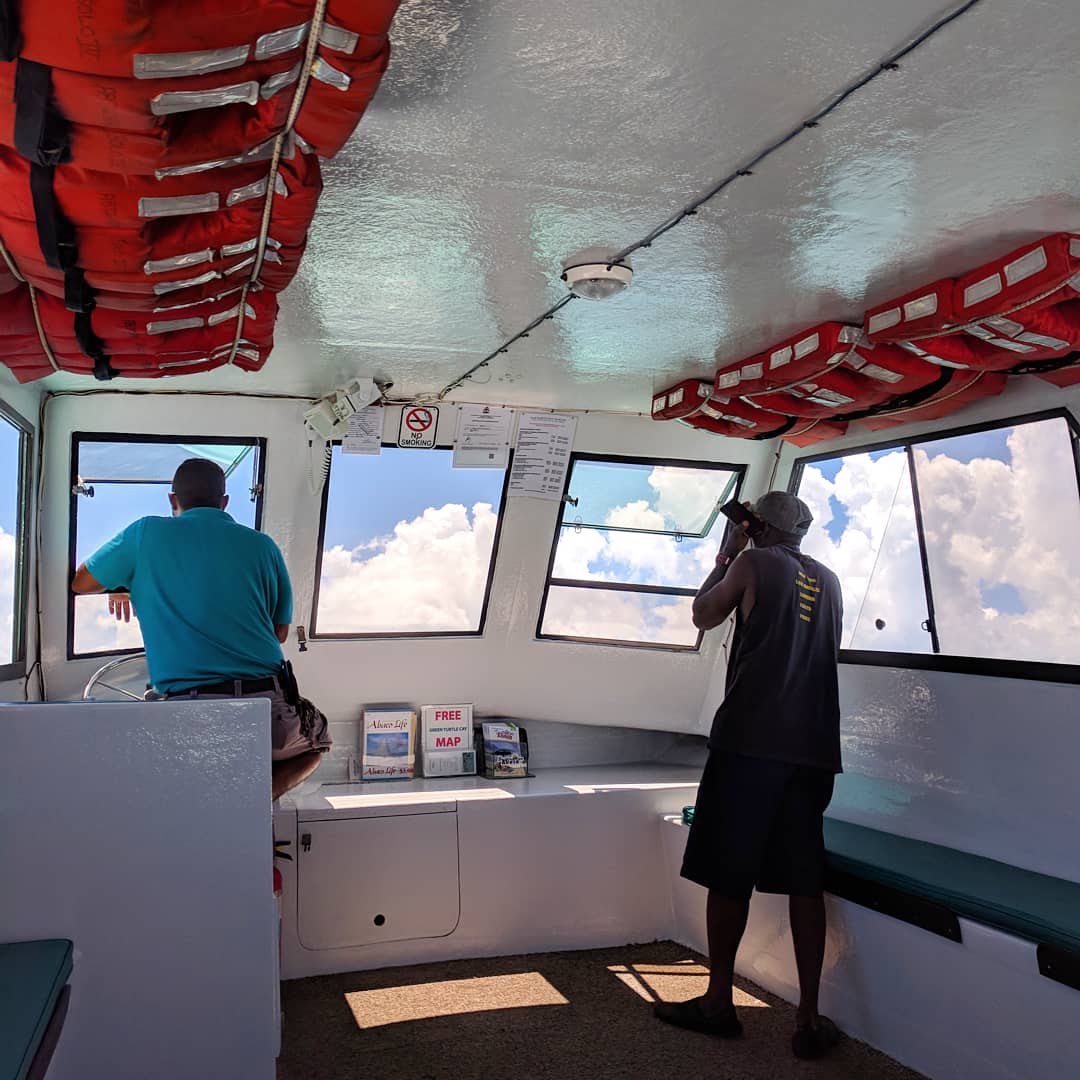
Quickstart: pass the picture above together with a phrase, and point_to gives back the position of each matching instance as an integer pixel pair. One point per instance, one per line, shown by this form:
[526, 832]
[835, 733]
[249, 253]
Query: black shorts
[758, 824]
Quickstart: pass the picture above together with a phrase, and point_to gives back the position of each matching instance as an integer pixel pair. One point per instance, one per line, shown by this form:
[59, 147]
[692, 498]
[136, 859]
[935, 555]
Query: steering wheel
[125, 679]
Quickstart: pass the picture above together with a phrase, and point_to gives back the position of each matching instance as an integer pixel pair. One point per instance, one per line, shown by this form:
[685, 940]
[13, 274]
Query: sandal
[692, 1016]
[815, 1042]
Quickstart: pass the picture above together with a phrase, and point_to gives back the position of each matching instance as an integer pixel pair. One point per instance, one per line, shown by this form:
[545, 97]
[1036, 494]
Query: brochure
[389, 744]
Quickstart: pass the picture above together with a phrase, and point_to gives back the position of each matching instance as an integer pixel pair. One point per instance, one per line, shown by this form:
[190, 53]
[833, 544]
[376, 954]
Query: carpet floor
[552, 1016]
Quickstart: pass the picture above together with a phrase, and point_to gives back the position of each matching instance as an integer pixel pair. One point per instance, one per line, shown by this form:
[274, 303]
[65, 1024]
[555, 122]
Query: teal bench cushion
[32, 975]
[1034, 906]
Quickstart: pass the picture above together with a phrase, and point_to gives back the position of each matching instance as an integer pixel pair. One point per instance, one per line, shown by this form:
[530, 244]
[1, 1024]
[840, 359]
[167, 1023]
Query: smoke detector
[592, 275]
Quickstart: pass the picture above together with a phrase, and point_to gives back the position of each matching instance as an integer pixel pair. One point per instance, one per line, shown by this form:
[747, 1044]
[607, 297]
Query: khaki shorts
[292, 731]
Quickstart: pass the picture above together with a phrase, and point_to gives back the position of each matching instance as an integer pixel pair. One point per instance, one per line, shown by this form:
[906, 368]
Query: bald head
[199, 482]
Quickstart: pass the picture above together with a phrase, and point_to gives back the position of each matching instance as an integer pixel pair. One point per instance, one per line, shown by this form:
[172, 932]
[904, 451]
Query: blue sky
[9, 474]
[407, 482]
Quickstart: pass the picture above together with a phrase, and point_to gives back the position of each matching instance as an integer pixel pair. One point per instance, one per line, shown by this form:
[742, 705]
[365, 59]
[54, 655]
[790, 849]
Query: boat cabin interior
[485, 310]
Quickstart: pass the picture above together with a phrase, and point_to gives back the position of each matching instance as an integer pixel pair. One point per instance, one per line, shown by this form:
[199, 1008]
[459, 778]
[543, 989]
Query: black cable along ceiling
[889, 63]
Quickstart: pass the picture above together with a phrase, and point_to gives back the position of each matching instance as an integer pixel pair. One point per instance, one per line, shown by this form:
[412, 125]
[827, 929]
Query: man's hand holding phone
[744, 525]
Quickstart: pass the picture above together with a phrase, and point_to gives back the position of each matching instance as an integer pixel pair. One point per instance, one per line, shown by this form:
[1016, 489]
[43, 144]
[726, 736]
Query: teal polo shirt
[208, 593]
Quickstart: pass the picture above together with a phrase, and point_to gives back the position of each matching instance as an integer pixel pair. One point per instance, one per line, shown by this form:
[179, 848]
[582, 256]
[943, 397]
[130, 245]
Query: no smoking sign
[418, 424]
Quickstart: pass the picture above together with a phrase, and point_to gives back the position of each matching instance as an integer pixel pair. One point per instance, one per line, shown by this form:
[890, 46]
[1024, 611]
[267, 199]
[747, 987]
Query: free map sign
[418, 424]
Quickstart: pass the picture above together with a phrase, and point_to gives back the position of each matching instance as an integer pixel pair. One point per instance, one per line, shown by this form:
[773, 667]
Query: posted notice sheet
[364, 434]
[542, 455]
[483, 437]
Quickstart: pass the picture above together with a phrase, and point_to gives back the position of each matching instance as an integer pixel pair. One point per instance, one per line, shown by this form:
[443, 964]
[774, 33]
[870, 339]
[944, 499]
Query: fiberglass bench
[933, 886]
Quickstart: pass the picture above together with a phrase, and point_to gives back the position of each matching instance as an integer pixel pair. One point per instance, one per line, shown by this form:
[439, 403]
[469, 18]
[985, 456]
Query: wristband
[724, 560]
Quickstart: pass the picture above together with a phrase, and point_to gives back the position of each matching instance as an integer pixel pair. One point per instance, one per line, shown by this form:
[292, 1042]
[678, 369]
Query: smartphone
[737, 513]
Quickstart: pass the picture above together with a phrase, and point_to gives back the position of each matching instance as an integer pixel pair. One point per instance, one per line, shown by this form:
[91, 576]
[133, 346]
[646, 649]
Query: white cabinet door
[374, 879]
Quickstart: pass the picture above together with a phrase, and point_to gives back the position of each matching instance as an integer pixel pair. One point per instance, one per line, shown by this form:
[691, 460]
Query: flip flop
[692, 1016]
[815, 1042]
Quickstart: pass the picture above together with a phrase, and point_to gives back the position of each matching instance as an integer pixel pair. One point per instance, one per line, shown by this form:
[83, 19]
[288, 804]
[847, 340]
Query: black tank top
[782, 700]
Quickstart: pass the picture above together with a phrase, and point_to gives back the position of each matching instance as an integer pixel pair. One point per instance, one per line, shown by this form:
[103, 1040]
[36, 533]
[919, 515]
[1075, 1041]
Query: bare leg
[808, 933]
[726, 921]
[285, 775]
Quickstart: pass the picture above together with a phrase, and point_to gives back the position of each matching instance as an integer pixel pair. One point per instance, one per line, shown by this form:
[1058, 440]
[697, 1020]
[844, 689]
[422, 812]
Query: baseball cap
[785, 512]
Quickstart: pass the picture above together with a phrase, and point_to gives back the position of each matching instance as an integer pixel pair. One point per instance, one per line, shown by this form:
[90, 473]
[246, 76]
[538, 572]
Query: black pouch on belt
[288, 684]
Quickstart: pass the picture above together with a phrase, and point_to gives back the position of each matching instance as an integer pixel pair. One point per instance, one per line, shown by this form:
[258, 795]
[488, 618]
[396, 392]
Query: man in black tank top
[773, 754]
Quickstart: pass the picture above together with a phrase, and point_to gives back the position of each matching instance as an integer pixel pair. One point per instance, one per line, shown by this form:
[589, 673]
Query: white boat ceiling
[508, 134]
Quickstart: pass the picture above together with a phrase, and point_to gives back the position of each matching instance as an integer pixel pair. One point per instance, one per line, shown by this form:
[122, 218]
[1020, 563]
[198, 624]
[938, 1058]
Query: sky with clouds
[1000, 512]
[1001, 516]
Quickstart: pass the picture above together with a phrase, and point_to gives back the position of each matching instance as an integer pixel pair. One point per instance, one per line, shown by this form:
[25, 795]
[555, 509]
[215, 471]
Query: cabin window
[117, 479]
[636, 538]
[15, 497]
[407, 546]
[960, 545]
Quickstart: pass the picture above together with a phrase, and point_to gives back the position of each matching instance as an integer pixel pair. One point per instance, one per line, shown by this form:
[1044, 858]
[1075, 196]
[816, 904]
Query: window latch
[570, 499]
[301, 638]
[82, 489]
[256, 490]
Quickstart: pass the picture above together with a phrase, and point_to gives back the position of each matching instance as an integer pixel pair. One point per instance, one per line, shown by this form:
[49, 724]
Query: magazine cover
[505, 750]
[389, 744]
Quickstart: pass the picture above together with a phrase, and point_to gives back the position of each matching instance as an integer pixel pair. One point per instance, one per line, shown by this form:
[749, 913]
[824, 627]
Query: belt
[231, 688]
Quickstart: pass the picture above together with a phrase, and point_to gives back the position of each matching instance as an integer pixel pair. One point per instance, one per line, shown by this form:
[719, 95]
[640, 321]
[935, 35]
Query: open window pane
[408, 544]
[864, 530]
[1002, 519]
[655, 498]
[131, 479]
[11, 472]
[633, 558]
[619, 617]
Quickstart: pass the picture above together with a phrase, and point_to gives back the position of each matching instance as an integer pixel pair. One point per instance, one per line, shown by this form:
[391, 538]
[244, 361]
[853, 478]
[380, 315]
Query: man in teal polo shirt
[214, 602]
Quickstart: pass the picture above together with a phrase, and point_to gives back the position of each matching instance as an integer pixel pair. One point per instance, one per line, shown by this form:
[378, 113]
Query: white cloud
[98, 631]
[686, 496]
[988, 523]
[619, 616]
[430, 575]
[7, 596]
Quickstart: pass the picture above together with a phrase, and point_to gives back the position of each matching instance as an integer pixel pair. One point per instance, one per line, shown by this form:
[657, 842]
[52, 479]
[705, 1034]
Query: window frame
[1038, 670]
[24, 505]
[80, 437]
[313, 631]
[654, 590]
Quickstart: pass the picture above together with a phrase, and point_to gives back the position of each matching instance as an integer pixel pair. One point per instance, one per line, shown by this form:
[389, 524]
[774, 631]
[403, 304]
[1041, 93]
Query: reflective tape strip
[824, 396]
[202, 300]
[883, 320]
[727, 381]
[302, 144]
[708, 410]
[659, 404]
[183, 363]
[177, 262]
[875, 371]
[1027, 265]
[178, 64]
[240, 249]
[263, 152]
[1074, 282]
[281, 41]
[780, 358]
[1004, 326]
[982, 290]
[240, 266]
[280, 187]
[1044, 340]
[807, 346]
[272, 243]
[232, 313]
[327, 73]
[836, 358]
[921, 307]
[163, 288]
[931, 359]
[1074, 246]
[179, 205]
[338, 38]
[169, 326]
[676, 397]
[276, 83]
[248, 191]
[271, 256]
[182, 101]
[851, 335]
[752, 371]
[704, 389]
[740, 420]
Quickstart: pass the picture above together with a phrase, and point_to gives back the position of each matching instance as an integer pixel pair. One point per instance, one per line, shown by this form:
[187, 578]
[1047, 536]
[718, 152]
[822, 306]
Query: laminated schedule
[542, 455]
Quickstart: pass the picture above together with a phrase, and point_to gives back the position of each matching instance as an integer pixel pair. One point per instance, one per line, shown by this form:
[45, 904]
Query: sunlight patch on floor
[454, 997]
[673, 982]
